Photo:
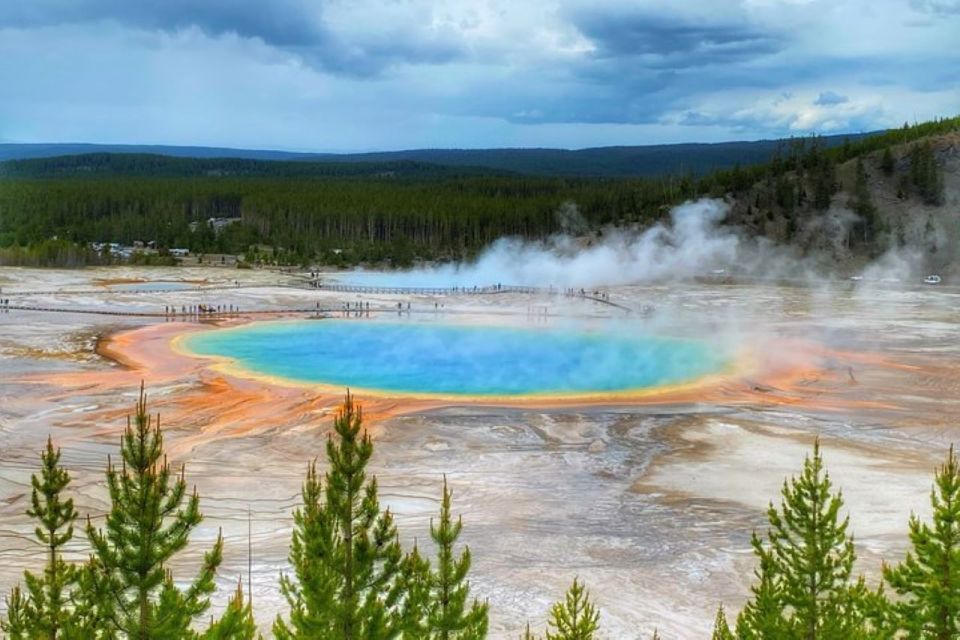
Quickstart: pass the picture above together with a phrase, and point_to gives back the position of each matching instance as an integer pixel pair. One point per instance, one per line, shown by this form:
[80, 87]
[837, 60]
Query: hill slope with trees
[619, 161]
[853, 207]
[398, 213]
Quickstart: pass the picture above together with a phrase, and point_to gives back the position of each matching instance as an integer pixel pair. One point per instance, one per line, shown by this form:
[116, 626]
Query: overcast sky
[340, 75]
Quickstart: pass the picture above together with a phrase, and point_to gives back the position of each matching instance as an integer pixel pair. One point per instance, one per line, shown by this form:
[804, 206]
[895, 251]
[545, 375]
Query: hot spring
[458, 360]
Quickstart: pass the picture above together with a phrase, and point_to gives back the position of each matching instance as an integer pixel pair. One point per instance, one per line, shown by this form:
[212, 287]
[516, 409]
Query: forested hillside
[898, 192]
[620, 161]
[97, 165]
[609, 162]
[402, 212]
[308, 219]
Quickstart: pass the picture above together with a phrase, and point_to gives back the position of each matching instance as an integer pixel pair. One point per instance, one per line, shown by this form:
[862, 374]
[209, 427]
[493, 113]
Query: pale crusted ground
[652, 505]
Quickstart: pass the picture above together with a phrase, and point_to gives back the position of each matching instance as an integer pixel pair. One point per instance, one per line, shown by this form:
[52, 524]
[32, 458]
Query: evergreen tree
[92, 614]
[449, 618]
[150, 520]
[17, 624]
[928, 580]
[887, 164]
[824, 182]
[846, 150]
[925, 174]
[311, 595]
[46, 610]
[237, 622]
[345, 552]
[806, 590]
[721, 629]
[416, 580]
[575, 617]
[862, 204]
[761, 618]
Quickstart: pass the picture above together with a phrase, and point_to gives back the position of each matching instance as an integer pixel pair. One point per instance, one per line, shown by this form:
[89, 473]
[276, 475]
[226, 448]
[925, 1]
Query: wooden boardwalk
[19, 305]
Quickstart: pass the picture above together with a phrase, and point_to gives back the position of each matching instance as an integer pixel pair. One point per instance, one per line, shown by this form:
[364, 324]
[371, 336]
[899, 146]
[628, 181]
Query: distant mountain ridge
[143, 165]
[612, 162]
[27, 151]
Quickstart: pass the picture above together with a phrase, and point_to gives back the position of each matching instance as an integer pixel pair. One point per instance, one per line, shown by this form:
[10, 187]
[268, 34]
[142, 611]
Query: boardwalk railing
[433, 291]
[595, 296]
[312, 312]
[319, 285]
[143, 313]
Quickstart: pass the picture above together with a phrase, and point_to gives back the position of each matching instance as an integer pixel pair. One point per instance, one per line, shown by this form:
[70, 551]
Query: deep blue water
[416, 357]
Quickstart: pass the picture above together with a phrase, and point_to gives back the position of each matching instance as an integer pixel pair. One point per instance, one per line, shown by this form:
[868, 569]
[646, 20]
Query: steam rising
[690, 244]
[693, 242]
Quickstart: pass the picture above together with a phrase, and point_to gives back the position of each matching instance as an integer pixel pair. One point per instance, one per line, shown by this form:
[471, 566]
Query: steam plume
[690, 244]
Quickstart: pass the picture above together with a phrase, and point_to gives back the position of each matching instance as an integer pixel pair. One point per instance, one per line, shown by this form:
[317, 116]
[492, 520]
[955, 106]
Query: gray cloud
[348, 74]
[643, 65]
[830, 98]
[598, 95]
[281, 22]
[618, 91]
[938, 7]
[295, 26]
[672, 42]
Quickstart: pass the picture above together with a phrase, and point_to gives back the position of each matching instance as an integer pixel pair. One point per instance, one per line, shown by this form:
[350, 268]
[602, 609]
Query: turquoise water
[457, 359]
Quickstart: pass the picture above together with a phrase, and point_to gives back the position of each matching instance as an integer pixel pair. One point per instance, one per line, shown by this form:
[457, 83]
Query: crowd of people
[200, 310]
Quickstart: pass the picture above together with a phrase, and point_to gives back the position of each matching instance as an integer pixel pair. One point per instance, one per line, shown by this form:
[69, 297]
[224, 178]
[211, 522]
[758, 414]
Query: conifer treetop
[804, 585]
[450, 618]
[721, 628]
[46, 609]
[345, 551]
[150, 520]
[575, 617]
[928, 580]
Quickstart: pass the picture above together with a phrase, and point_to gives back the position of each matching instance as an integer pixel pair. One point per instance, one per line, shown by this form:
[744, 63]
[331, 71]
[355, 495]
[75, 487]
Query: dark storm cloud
[660, 40]
[282, 22]
[295, 26]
